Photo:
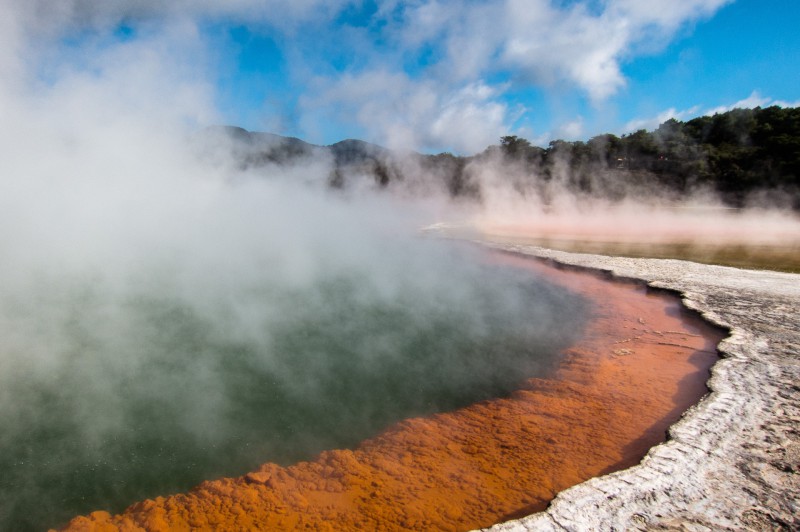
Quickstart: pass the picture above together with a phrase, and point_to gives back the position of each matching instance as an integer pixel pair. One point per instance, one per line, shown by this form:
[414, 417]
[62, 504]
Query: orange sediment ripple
[643, 361]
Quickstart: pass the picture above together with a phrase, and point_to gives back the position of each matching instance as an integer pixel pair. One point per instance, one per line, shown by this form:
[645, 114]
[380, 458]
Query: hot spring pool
[111, 396]
[640, 362]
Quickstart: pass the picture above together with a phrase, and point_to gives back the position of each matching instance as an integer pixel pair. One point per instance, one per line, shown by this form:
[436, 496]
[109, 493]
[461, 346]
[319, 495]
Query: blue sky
[743, 51]
[437, 75]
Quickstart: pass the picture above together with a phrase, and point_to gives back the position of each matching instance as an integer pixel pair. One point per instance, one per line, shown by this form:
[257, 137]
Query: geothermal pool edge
[732, 461]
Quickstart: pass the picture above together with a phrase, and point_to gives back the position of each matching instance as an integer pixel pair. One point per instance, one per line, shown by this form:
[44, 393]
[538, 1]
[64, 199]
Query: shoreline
[732, 461]
[491, 461]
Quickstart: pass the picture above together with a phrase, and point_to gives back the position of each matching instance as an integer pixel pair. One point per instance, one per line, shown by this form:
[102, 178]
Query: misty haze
[240, 234]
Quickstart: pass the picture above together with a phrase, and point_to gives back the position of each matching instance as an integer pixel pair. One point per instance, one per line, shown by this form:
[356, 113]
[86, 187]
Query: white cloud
[552, 45]
[784, 103]
[587, 48]
[419, 86]
[752, 101]
[469, 120]
[666, 15]
[521, 42]
[403, 113]
[49, 16]
[544, 43]
[572, 130]
[653, 122]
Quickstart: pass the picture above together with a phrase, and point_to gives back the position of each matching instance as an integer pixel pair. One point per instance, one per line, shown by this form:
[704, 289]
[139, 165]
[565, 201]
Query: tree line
[735, 154]
[739, 155]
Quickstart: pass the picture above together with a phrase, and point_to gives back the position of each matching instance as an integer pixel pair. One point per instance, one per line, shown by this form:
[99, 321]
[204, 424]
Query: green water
[124, 397]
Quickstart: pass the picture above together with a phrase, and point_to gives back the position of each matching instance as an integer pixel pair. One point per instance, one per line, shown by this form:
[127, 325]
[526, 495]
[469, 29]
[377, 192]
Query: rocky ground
[733, 461]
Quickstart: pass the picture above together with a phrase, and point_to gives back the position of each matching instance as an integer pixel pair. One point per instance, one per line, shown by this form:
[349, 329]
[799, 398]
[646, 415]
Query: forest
[741, 157]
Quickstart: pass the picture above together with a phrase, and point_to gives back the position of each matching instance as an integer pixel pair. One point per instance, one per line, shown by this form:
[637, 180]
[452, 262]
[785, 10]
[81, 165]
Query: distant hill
[739, 155]
[258, 149]
[349, 158]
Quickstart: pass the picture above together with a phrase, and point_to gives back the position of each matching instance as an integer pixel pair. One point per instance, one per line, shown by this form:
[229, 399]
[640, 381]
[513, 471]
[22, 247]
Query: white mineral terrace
[733, 461]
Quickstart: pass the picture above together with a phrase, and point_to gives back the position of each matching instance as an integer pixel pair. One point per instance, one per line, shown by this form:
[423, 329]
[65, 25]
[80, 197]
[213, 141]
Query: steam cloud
[636, 212]
[148, 282]
[166, 316]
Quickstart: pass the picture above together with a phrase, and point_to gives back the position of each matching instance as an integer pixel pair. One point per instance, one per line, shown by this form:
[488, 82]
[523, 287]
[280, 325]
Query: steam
[600, 205]
[167, 316]
[155, 293]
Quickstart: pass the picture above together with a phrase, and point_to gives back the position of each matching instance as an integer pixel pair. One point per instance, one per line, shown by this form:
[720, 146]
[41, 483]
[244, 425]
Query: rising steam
[167, 315]
[162, 306]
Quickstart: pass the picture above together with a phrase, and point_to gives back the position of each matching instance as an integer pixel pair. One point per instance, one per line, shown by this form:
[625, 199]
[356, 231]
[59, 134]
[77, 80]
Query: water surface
[110, 396]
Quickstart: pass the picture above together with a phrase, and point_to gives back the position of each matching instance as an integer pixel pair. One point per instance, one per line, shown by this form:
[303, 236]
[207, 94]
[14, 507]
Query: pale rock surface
[733, 461]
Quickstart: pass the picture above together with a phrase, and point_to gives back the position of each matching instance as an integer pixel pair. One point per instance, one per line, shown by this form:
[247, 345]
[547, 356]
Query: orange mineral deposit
[643, 360]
